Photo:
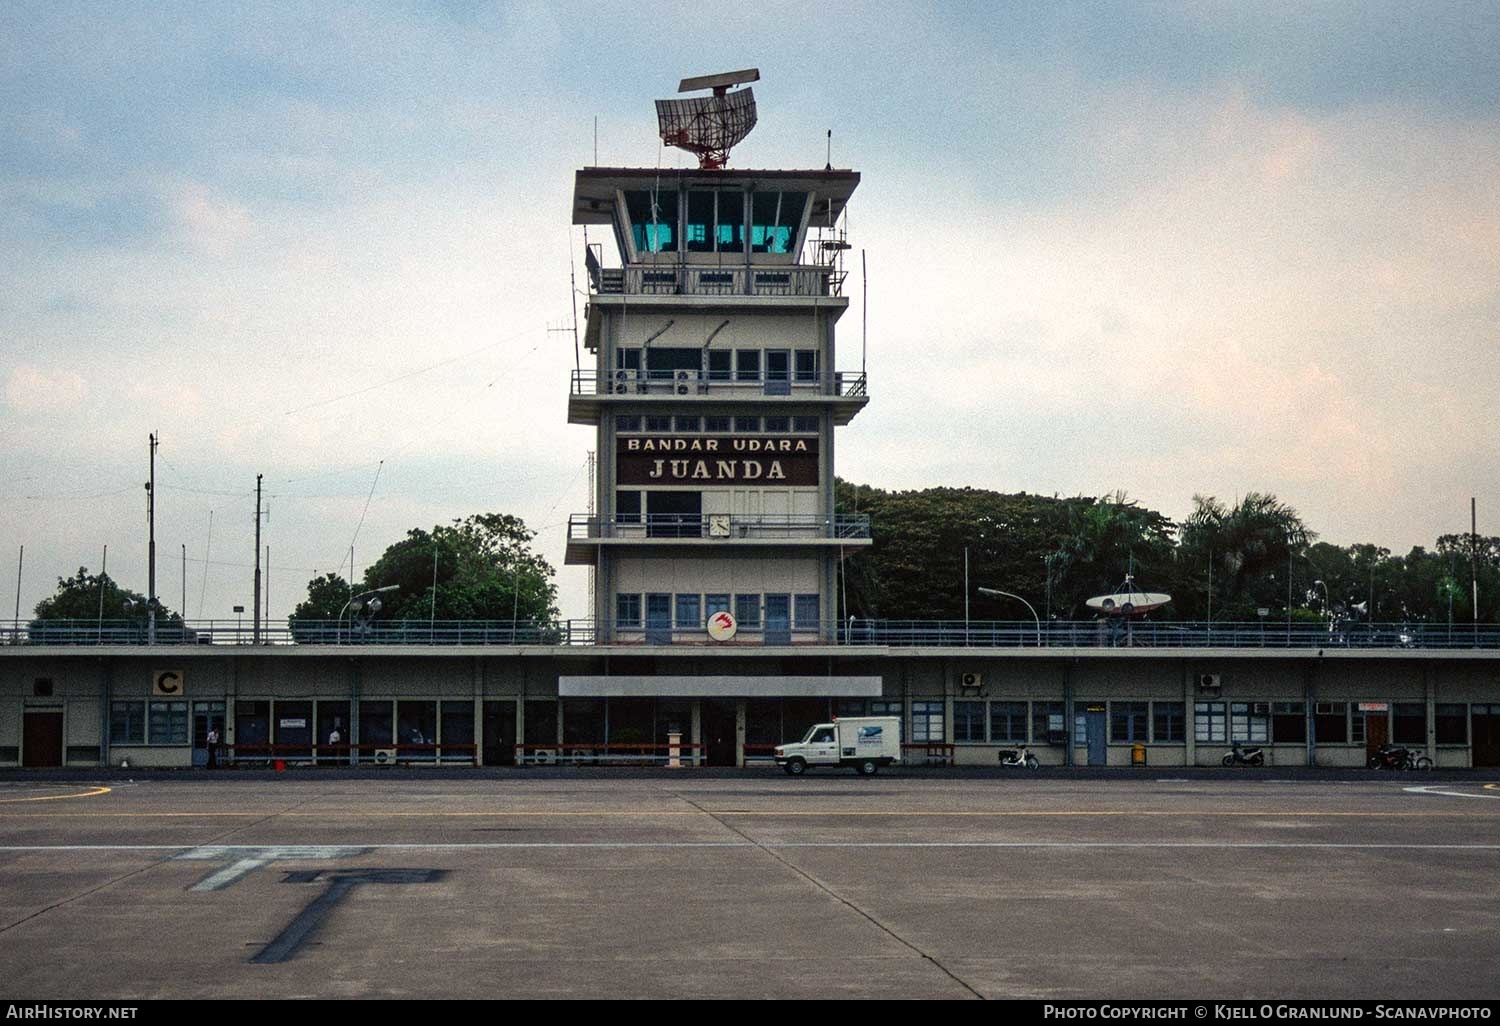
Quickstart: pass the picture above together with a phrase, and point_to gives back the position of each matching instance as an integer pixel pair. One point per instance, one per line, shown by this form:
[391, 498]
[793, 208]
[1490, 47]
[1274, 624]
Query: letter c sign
[168, 684]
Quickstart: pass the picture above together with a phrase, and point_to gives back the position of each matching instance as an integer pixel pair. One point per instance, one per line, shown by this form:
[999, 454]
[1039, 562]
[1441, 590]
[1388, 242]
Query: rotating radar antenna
[709, 125]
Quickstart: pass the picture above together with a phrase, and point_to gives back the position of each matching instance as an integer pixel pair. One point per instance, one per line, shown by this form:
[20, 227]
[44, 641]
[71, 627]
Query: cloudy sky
[1169, 248]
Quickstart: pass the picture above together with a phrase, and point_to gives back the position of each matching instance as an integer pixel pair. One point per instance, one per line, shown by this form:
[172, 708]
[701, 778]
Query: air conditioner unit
[1209, 682]
[385, 756]
[622, 382]
[683, 378]
[971, 680]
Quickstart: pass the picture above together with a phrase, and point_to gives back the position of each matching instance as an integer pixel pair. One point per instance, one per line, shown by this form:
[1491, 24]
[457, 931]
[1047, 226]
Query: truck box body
[863, 742]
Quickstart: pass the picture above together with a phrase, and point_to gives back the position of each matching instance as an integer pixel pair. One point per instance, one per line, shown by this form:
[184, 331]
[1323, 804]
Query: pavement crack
[148, 866]
[827, 889]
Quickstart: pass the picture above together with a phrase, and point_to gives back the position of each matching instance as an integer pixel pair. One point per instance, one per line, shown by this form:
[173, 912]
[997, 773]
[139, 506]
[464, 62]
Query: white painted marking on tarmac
[226, 876]
[626, 845]
[1435, 789]
[253, 858]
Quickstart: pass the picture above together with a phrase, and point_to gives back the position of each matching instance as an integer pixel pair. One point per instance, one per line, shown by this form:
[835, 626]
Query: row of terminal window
[141, 721]
[1213, 722]
[691, 612]
[716, 425]
[780, 365]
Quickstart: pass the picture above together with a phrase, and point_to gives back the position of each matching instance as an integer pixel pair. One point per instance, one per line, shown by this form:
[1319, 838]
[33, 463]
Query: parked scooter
[1018, 757]
[1239, 755]
[1399, 757]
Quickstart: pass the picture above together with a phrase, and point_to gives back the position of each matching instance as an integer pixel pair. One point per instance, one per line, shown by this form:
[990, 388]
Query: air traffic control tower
[714, 391]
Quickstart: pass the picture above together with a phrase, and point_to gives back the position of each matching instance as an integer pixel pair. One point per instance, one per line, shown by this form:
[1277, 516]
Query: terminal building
[717, 389]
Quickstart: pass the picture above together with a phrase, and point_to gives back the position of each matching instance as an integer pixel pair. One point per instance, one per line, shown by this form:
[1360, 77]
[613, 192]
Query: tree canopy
[1227, 560]
[485, 570]
[78, 598]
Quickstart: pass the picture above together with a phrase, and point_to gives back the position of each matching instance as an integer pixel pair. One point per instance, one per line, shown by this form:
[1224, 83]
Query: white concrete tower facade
[715, 395]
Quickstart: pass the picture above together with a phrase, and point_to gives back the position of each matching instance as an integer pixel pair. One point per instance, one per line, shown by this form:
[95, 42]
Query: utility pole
[255, 629]
[184, 583]
[1474, 560]
[151, 548]
[20, 563]
[103, 575]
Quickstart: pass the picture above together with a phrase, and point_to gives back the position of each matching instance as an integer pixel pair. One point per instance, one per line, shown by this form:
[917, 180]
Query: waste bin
[1137, 755]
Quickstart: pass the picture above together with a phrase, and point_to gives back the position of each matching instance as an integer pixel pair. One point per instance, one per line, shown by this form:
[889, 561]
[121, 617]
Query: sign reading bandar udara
[715, 459]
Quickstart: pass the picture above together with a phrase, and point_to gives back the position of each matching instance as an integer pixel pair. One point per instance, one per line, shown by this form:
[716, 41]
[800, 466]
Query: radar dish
[708, 126]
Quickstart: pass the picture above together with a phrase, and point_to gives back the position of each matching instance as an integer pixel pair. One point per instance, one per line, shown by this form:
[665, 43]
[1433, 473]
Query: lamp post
[356, 603]
[1006, 594]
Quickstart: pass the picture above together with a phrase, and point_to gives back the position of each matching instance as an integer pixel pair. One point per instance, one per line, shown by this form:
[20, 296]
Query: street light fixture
[356, 604]
[1006, 594]
[1327, 608]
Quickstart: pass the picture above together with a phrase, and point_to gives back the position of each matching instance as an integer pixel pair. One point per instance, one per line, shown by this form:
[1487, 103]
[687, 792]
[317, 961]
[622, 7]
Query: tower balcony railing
[782, 527]
[724, 385]
[710, 280]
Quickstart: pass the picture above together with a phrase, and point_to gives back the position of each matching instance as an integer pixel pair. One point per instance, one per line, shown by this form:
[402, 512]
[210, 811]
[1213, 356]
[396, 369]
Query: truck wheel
[867, 768]
[796, 767]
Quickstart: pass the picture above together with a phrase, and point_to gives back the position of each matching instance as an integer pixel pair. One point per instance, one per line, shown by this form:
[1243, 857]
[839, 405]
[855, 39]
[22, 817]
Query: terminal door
[43, 745]
[719, 725]
[1484, 723]
[500, 733]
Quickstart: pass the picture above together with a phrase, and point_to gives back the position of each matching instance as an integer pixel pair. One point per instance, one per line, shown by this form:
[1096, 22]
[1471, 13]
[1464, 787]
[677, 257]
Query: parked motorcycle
[1239, 755]
[1399, 757]
[1018, 757]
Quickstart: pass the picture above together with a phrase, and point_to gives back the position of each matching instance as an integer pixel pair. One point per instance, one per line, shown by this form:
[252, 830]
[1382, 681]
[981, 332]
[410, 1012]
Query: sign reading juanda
[645, 460]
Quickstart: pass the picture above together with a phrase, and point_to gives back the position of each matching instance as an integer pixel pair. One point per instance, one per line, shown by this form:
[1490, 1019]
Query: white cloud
[30, 390]
[210, 222]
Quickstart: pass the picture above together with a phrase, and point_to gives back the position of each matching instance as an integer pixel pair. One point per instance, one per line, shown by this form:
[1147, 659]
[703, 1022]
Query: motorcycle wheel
[1424, 763]
[1031, 762]
[1374, 762]
[1229, 759]
[1257, 759]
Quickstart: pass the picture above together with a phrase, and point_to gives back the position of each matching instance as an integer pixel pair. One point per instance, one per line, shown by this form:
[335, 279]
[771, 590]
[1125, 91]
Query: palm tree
[1104, 538]
[1246, 543]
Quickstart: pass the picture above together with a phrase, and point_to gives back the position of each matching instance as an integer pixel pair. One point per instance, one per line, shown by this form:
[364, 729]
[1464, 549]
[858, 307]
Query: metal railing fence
[855, 632]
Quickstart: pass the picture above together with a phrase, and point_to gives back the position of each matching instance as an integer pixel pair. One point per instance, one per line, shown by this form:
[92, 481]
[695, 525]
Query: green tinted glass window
[774, 220]
[653, 225]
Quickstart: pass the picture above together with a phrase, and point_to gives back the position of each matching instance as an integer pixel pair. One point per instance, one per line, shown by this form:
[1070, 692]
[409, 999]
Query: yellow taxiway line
[92, 792]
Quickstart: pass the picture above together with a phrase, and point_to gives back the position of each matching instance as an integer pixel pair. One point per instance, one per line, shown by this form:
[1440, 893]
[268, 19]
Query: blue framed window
[687, 612]
[747, 611]
[1008, 721]
[968, 721]
[628, 610]
[806, 612]
[1128, 720]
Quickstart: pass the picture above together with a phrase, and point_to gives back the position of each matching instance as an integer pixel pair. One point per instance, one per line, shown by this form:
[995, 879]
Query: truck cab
[863, 743]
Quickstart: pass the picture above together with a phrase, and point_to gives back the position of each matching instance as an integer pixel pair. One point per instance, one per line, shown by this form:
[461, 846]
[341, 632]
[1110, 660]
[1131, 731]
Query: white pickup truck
[863, 742]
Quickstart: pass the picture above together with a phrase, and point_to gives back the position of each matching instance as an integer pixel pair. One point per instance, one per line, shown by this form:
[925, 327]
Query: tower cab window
[653, 220]
[716, 221]
[774, 220]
